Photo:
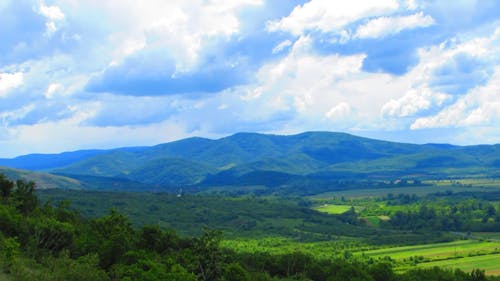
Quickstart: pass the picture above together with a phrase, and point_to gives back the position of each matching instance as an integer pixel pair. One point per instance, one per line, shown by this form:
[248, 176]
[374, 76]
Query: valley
[320, 197]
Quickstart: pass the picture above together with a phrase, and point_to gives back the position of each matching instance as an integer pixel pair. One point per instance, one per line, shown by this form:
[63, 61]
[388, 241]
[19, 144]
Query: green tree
[6, 187]
[24, 196]
[209, 255]
[235, 272]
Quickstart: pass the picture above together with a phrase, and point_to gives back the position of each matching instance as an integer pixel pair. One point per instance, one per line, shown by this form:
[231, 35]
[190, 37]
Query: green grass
[335, 209]
[438, 250]
[489, 263]
[417, 190]
[375, 220]
[466, 255]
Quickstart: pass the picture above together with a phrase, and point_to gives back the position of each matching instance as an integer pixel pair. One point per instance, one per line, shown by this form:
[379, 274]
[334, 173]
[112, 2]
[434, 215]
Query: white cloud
[52, 90]
[53, 15]
[452, 111]
[329, 16]
[413, 102]
[411, 4]
[479, 107]
[183, 29]
[16, 114]
[319, 89]
[65, 135]
[281, 46]
[339, 112]
[384, 26]
[9, 81]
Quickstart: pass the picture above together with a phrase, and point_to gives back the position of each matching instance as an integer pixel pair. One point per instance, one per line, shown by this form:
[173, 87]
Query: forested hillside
[298, 161]
[45, 242]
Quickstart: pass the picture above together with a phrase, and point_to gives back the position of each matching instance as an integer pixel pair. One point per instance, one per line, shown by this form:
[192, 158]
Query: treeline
[444, 213]
[55, 243]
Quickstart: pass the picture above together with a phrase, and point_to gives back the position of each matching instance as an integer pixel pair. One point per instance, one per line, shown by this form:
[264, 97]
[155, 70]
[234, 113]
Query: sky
[81, 74]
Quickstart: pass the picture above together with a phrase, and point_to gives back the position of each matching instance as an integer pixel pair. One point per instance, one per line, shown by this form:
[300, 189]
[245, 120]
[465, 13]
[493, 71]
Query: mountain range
[311, 158]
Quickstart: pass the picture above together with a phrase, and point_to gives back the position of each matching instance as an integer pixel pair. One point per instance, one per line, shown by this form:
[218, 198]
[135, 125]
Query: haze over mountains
[305, 159]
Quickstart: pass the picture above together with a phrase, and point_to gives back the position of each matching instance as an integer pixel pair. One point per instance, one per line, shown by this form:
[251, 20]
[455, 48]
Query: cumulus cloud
[173, 53]
[329, 16]
[212, 68]
[53, 15]
[319, 91]
[384, 26]
[443, 81]
[478, 107]
[184, 29]
[413, 102]
[9, 81]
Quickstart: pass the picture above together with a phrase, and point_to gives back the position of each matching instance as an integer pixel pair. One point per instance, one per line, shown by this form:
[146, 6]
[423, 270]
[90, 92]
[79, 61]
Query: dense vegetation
[302, 164]
[45, 242]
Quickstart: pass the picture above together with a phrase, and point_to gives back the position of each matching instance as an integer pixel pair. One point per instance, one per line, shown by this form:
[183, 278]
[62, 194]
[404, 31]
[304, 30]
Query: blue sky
[80, 74]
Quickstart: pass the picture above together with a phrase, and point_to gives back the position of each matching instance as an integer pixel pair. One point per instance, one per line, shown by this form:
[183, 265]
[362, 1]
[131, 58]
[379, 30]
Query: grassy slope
[489, 263]
[466, 255]
[43, 180]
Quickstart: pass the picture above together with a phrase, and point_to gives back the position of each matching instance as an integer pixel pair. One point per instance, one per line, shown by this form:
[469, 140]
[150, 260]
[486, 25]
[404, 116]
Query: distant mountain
[271, 160]
[40, 162]
[42, 180]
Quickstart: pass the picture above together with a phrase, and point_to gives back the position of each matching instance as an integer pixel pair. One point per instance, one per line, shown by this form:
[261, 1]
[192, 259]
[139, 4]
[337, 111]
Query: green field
[438, 250]
[441, 186]
[489, 263]
[336, 209]
[466, 255]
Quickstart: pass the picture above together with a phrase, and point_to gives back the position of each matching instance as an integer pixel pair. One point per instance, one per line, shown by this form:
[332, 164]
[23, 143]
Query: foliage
[42, 242]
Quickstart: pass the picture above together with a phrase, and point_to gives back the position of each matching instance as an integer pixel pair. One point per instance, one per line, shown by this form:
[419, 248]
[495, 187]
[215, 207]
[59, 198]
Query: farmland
[281, 226]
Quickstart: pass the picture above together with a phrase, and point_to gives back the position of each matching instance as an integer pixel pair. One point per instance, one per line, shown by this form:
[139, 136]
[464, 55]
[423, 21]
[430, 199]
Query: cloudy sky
[78, 74]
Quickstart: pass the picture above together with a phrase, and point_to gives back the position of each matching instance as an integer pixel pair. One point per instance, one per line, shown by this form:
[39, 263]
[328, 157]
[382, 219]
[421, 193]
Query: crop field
[489, 263]
[336, 209]
[466, 255]
[438, 250]
[436, 186]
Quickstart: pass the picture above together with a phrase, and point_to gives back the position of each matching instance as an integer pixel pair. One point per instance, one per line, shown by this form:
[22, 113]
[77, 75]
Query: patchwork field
[466, 255]
[469, 185]
[489, 263]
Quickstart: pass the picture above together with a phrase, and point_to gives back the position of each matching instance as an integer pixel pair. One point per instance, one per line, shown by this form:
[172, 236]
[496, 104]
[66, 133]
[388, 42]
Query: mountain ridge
[258, 159]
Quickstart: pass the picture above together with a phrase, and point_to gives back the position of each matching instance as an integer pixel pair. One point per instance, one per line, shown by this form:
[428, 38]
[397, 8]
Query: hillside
[271, 160]
[43, 180]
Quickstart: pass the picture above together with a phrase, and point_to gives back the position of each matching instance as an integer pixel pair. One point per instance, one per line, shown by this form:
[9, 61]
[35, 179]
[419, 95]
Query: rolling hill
[311, 158]
[42, 180]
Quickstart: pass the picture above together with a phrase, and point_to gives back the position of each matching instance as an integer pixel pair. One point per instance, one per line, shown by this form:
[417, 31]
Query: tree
[24, 196]
[6, 186]
[209, 254]
[234, 272]
[382, 272]
[111, 237]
